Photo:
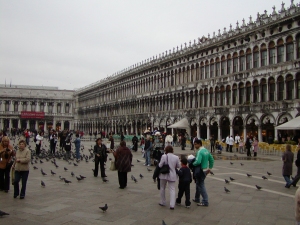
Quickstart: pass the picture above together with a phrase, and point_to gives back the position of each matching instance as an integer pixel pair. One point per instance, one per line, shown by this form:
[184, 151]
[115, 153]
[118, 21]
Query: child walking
[185, 178]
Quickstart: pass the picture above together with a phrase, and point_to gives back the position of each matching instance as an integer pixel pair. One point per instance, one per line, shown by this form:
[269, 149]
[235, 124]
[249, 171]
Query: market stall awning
[182, 124]
[293, 124]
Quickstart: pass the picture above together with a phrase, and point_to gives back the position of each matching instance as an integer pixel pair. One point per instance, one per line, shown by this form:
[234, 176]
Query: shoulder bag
[165, 168]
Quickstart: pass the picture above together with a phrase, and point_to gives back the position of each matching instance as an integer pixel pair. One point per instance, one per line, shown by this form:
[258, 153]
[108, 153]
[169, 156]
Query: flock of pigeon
[248, 175]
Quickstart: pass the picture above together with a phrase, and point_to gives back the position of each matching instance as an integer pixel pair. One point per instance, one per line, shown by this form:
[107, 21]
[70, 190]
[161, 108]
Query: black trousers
[38, 149]
[122, 179]
[102, 169]
[192, 146]
[212, 147]
[230, 148]
[249, 151]
[4, 179]
[297, 177]
[227, 147]
[184, 188]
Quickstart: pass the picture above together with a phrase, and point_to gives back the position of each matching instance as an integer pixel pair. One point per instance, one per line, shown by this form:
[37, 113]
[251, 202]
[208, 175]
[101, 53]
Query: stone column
[135, 127]
[259, 133]
[19, 124]
[37, 109]
[27, 124]
[62, 125]
[231, 130]
[219, 133]
[1, 123]
[207, 132]
[11, 108]
[36, 125]
[10, 124]
[275, 133]
[198, 131]
[245, 133]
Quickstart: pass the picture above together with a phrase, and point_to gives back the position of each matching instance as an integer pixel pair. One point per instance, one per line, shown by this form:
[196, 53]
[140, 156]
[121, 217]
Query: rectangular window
[223, 67]
[264, 93]
[206, 72]
[272, 56]
[24, 106]
[50, 108]
[234, 95]
[6, 106]
[229, 61]
[280, 91]
[290, 90]
[42, 107]
[222, 99]
[241, 95]
[228, 97]
[255, 94]
[211, 99]
[33, 107]
[272, 92]
[217, 69]
[205, 99]
[217, 98]
[248, 94]
[289, 52]
[16, 107]
[212, 70]
[202, 73]
[249, 62]
[280, 54]
[264, 58]
[255, 59]
[67, 108]
[235, 65]
[242, 63]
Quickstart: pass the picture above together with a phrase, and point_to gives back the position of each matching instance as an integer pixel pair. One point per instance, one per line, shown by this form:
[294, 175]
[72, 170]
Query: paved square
[79, 201]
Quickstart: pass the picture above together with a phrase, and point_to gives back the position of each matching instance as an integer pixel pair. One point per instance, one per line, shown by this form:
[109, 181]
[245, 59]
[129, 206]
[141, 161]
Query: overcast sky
[73, 43]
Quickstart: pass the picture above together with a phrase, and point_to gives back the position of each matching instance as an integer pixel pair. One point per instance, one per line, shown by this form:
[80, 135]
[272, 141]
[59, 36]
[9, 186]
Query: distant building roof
[28, 87]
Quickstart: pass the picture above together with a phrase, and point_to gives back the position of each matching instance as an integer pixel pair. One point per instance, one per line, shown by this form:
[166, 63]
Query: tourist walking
[237, 140]
[123, 160]
[185, 178]
[227, 143]
[112, 142]
[231, 142]
[21, 167]
[100, 152]
[148, 149]
[6, 160]
[135, 141]
[38, 143]
[183, 142]
[297, 177]
[212, 143]
[248, 146]
[173, 161]
[203, 161]
[255, 146]
[287, 169]
[77, 142]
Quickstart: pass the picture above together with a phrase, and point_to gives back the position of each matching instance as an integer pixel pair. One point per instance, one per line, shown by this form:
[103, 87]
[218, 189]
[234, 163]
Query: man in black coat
[100, 152]
[297, 177]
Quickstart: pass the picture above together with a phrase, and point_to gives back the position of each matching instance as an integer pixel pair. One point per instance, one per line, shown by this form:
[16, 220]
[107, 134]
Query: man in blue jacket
[203, 160]
[77, 146]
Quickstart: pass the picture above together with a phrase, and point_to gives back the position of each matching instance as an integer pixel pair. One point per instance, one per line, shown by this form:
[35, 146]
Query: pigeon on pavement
[226, 190]
[72, 174]
[3, 213]
[67, 181]
[269, 173]
[231, 179]
[141, 176]
[249, 175]
[82, 177]
[264, 177]
[43, 183]
[227, 181]
[138, 160]
[258, 187]
[149, 169]
[231, 163]
[104, 208]
[65, 169]
[52, 172]
[78, 178]
[35, 168]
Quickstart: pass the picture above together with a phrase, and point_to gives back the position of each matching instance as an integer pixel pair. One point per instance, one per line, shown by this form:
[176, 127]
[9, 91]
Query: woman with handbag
[6, 160]
[168, 164]
[123, 159]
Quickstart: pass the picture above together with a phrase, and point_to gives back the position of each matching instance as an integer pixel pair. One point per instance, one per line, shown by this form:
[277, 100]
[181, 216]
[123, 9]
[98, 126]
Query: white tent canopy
[182, 124]
[293, 124]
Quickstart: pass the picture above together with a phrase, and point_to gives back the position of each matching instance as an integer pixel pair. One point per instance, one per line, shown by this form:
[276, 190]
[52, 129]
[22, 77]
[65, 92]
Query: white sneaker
[148, 165]
[145, 164]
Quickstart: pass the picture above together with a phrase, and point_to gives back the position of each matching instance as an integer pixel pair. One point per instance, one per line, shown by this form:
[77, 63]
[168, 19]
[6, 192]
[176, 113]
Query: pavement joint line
[246, 171]
[253, 187]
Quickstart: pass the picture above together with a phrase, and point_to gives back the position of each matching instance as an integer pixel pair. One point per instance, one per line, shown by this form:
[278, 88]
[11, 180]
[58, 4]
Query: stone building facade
[35, 107]
[243, 80]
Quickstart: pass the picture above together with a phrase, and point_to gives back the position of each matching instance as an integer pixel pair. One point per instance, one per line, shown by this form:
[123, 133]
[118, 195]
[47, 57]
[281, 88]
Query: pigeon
[141, 176]
[227, 181]
[211, 172]
[104, 180]
[3, 213]
[41, 161]
[75, 164]
[72, 174]
[65, 169]
[82, 177]
[163, 223]
[264, 177]
[134, 179]
[226, 190]
[52, 172]
[44, 174]
[132, 165]
[231, 163]
[249, 175]
[258, 187]
[61, 178]
[231, 179]
[35, 161]
[31, 163]
[104, 208]
[269, 173]
[67, 181]
[138, 160]
[35, 168]
[70, 163]
[78, 178]
[56, 165]
[43, 183]
[149, 169]
[242, 164]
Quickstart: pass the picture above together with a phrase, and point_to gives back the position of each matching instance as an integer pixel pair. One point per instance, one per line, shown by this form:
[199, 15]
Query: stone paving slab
[78, 202]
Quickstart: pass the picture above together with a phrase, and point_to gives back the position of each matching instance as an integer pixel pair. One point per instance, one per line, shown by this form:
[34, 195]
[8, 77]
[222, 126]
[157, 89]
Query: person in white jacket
[231, 142]
[38, 143]
[227, 143]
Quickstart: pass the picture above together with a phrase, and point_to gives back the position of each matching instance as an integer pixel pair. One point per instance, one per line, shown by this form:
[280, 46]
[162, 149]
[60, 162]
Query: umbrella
[157, 133]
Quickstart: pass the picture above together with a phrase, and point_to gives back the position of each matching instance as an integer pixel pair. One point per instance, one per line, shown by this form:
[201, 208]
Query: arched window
[263, 84]
[280, 88]
[235, 62]
[289, 87]
[248, 92]
[205, 97]
[229, 62]
[248, 59]
[197, 71]
[241, 93]
[255, 57]
[280, 51]
[202, 71]
[298, 85]
[212, 68]
[222, 96]
[242, 61]
[217, 67]
[228, 95]
[217, 96]
[211, 96]
[255, 91]
[206, 70]
[272, 53]
[223, 65]
[271, 89]
[234, 94]
[289, 49]
[201, 98]
[263, 55]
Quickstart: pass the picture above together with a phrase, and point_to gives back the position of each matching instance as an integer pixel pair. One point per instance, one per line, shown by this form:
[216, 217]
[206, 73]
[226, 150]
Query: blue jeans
[200, 189]
[20, 175]
[287, 179]
[77, 153]
[147, 156]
